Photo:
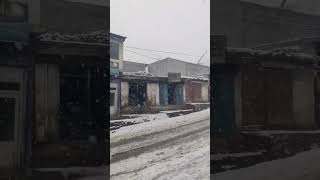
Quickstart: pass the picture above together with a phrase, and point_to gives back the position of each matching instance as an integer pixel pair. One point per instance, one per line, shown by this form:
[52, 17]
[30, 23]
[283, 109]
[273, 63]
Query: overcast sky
[180, 26]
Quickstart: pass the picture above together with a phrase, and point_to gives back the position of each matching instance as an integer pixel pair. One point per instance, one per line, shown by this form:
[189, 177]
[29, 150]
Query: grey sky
[181, 26]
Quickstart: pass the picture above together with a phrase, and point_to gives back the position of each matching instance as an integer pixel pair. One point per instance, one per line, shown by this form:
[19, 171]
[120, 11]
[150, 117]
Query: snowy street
[170, 148]
[304, 166]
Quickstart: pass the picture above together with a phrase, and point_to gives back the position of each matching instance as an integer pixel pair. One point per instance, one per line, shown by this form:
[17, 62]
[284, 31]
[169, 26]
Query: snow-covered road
[172, 148]
[303, 166]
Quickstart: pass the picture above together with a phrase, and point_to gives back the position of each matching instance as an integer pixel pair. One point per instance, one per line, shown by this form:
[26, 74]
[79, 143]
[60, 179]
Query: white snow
[275, 132]
[196, 78]
[82, 171]
[139, 73]
[177, 156]
[140, 118]
[187, 160]
[221, 156]
[174, 111]
[199, 103]
[157, 125]
[303, 166]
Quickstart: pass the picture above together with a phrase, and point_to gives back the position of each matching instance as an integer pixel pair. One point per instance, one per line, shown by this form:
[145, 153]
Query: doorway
[137, 93]
[9, 129]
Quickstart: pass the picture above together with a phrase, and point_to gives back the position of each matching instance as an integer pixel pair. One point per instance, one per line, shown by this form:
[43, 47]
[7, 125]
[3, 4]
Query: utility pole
[202, 56]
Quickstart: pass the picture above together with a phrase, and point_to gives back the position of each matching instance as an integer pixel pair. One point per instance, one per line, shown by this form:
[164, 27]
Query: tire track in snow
[146, 143]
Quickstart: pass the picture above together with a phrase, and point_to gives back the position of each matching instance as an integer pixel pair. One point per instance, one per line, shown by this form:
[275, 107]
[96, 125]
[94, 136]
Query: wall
[303, 98]
[248, 24]
[265, 25]
[153, 93]
[114, 109]
[47, 88]
[161, 68]
[71, 17]
[226, 19]
[124, 93]
[120, 60]
[193, 70]
[129, 66]
[205, 92]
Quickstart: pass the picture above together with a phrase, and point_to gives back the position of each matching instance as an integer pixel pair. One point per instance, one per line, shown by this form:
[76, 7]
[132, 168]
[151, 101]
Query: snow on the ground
[189, 159]
[140, 118]
[301, 166]
[274, 132]
[174, 111]
[221, 156]
[157, 125]
[83, 171]
[94, 178]
[199, 103]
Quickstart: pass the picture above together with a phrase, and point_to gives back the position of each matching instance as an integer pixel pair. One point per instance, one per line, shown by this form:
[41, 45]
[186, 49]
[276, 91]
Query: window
[112, 99]
[7, 118]
[114, 50]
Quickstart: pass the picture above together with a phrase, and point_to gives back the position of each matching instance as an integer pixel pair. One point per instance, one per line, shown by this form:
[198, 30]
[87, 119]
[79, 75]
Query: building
[129, 66]
[305, 45]
[248, 25]
[52, 94]
[144, 92]
[116, 68]
[265, 90]
[170, 65]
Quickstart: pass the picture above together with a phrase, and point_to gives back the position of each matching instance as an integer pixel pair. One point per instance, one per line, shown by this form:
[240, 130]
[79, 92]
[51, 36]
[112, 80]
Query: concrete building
[248, 24]
[143, 92]
[265, 90]
[129, 66]
[169, 65]
[49, 57]
[116, 69]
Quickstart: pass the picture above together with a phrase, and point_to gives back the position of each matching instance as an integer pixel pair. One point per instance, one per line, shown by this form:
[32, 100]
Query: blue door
[178, 94]
[223, 116]
[164, 94]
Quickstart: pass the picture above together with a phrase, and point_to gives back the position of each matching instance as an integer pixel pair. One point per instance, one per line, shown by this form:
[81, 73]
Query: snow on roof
[139, 73]
[195, 78]
[276, 54]
[90, 37]
[145, 74]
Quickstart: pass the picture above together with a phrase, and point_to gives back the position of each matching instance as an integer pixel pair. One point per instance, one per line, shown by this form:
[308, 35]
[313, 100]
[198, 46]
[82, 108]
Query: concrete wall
[226, 19]
[237, 99]
[163, 67]
[120, 60]
[193, 70]
[248, 24]
[72, 17]
[129, 66]
[153, 94]
[124, 93]
[303, 99]
[204, 92]
[114, 109]
[159, 68]
[265, 25]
